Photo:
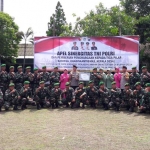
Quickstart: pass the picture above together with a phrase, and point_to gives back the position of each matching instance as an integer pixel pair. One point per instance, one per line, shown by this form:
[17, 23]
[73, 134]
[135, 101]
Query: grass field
[66, 129]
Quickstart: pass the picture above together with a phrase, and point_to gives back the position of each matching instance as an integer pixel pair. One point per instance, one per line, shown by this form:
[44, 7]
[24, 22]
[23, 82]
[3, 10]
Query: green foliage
[57, 22]
[9, 38]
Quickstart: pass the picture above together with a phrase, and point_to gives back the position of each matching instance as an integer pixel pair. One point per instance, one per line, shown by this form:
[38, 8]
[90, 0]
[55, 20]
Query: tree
[57, 20]
[136, 8]
[9, 38]
[27, 37]
[103, 22]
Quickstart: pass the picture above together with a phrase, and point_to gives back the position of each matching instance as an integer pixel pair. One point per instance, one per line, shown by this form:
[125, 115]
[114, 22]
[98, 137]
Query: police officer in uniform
[93, 46]
[74, 47]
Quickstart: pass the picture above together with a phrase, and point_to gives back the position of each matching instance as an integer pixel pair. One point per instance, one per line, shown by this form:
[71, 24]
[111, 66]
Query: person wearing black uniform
[74, 47]
[93, 46]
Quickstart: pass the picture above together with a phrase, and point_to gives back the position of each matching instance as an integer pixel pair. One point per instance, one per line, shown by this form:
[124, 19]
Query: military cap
[56, 84]
[42, 82]
[74, 42]
[3, 65]
[55, 67]
[127, 84]
[94, 68]
[81, 83]
[108, 69]
[113, 83]
[101, 83]
[93, 42]
[143, 67]
[87, 43]
[43, 67]
[134, 67]
[28, 67]
[19, 67]
[11, 84]
[75, 66]
[11, 67]
[35, 69]
[67, 83]
[101, 69]
[137, 83]
[91, 82]
[26, 82]
[147, 84]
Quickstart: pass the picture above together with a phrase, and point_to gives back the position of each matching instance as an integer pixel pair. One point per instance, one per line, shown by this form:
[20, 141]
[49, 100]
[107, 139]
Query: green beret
[127, 84]
[41, 82]
[101, 83]
[19, 67]
[3, 65]
[26, 82]
[137, 83]
[134, 67]
[56, 67]
[81, 83]
[147, 84]
[56, 84]
[113, 83]
[43, 67]
[94, 68]
[28, 67]
[11, 67]
[11, 84]
[35, 69]
[67, 83]
[91, 82]
[144, 67]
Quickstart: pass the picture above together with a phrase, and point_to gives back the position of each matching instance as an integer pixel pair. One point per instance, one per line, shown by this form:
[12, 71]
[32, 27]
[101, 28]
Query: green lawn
[66, 129]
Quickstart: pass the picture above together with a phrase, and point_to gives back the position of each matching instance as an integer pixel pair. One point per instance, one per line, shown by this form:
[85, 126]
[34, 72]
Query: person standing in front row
[74, 77]
[124, 78]
[109, 79]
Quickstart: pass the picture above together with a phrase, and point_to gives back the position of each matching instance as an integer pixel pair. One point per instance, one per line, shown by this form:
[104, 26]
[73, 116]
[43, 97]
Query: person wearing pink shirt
[117, 77]
[63, 79]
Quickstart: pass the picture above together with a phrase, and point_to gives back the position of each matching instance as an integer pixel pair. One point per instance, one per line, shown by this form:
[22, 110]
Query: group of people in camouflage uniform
[41, 89]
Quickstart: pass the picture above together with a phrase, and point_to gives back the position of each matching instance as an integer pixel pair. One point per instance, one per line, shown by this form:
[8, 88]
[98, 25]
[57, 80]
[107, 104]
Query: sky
[36, 13]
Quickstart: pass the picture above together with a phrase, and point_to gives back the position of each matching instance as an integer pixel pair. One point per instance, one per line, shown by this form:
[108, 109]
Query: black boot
[15, 107]
[53, 106]
[22, 107]
[83, 106]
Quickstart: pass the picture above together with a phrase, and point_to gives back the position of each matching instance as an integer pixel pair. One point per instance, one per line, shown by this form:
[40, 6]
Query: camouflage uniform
[55, 79]
[145, 78]
[78, 92]
[19, 81]
[11, 77]
[115, 98]
[92, 96]
[1, 99]
[26, 97]
[127, 100]
[36, 81]
[133, 78]
[42, 97]
[104, 97]
[3, 81]
[67, 96]
[95, 79]
[11, 99]
[45, 76]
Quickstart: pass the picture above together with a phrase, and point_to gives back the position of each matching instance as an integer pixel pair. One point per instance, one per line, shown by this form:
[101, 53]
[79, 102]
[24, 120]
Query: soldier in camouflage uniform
[104, 96]
[127, 98]
[28, 76]
[92, 94]
[95, 77]
[67, 95]
[145, 76]
[42, 96]
[1, 99]
[133, 78]
[145, 103]
[3, 78]
[11, 75]
[115, 97]
[137, 94]
[80, 95]
[36, 80]
[55, 95]
[19, 79]
[54, 76]
[11, 97]
[45, 76]
[26, 96]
